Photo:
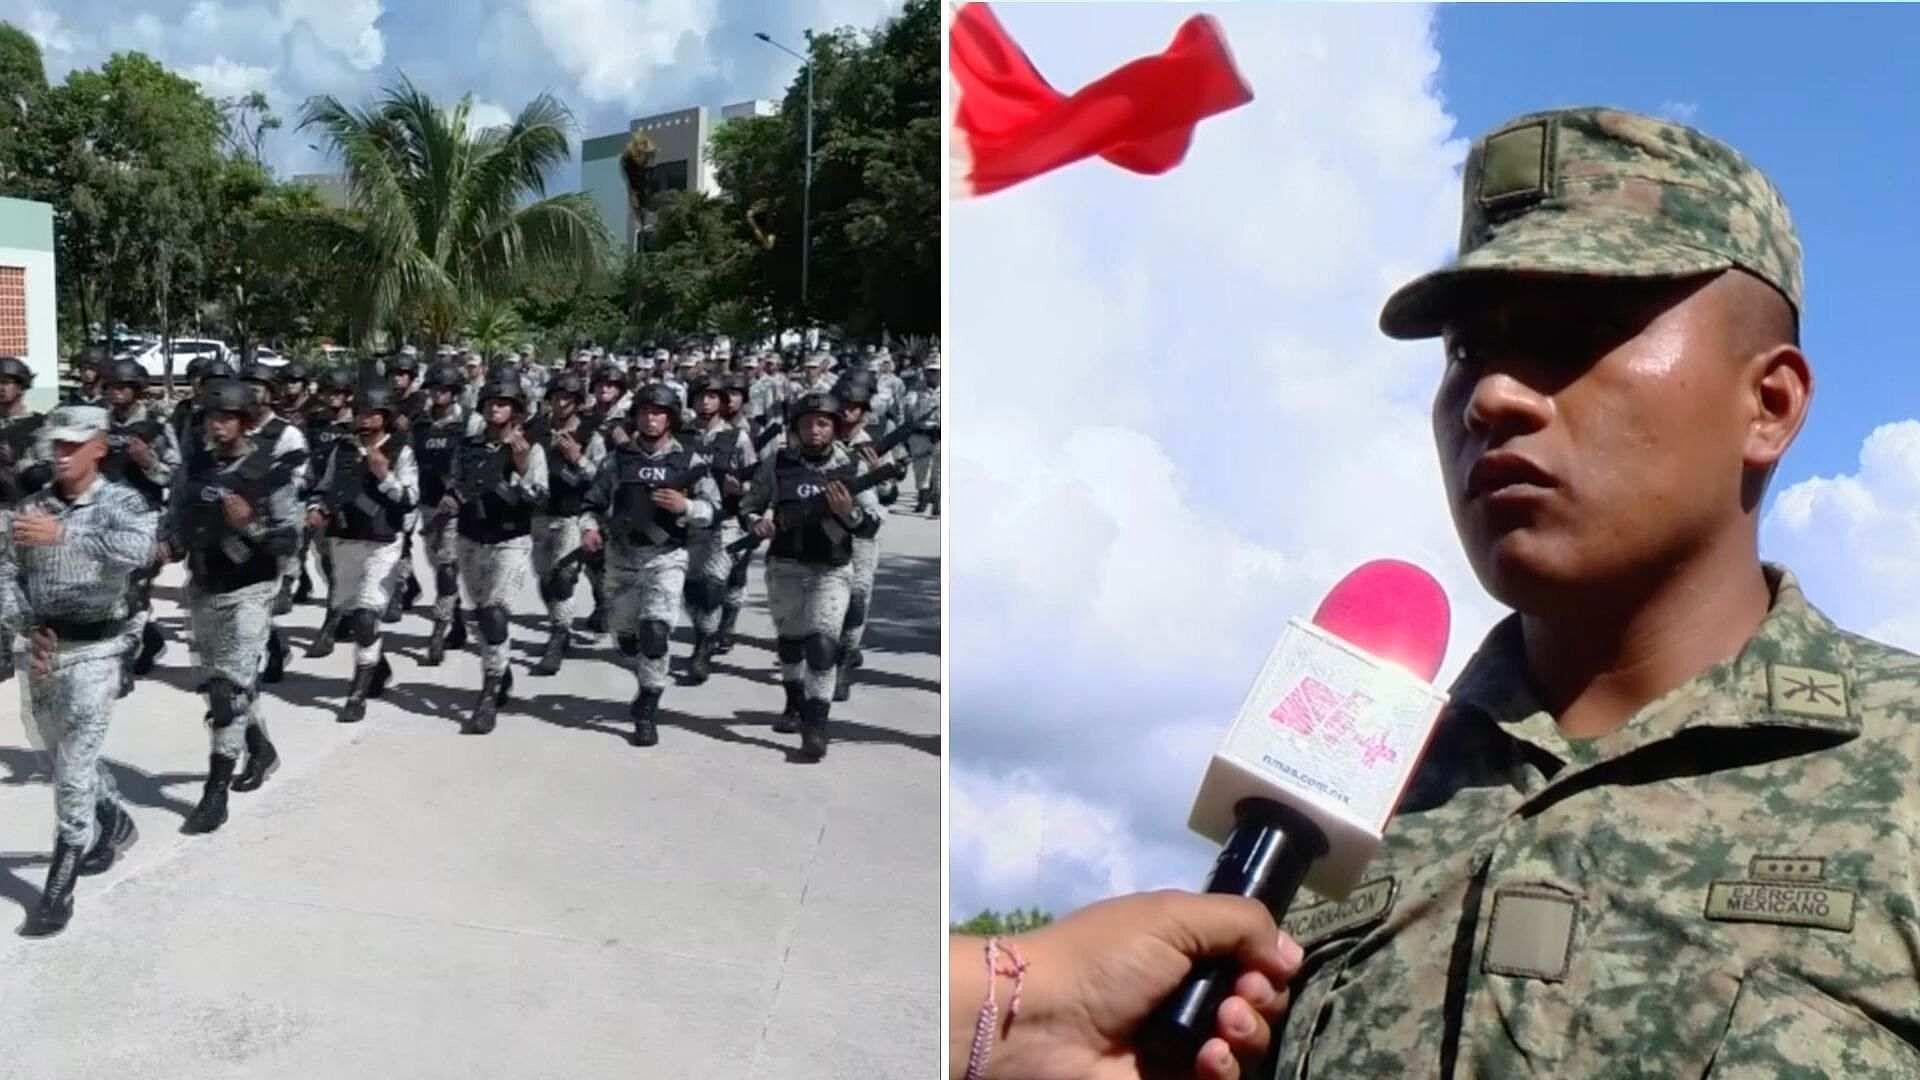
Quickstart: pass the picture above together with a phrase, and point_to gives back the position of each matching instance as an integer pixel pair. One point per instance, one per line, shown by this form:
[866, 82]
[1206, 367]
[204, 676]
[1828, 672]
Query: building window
[13, 311]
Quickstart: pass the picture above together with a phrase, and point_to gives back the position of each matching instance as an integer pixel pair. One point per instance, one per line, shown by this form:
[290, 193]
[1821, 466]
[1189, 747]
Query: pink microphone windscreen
[1393, 611]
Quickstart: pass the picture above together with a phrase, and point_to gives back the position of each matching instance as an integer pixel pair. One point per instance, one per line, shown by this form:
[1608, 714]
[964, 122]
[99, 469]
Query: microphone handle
[1266, 857]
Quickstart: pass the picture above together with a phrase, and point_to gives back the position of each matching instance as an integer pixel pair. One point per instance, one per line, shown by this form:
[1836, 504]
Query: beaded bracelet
[988, 1025]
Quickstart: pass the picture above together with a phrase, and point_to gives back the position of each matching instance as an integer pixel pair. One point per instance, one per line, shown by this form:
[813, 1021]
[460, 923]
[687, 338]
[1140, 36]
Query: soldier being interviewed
[499, 479]
[368, 486]
[803, 501]
[574, 451]
[649, 495]
[64, 560]
[233, 522]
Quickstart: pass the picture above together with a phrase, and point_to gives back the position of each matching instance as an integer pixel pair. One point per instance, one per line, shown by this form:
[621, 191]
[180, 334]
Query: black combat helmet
[217, 369]
[401, 361]
[611, 373]
[293, 371]
[444, 377]
[12, 367]
[814, 403]
[125, 370]
[854, 389]
[504, 386]
[660, 396]
[336, 379]
[568, 383]
[226, 394]
[374, 397]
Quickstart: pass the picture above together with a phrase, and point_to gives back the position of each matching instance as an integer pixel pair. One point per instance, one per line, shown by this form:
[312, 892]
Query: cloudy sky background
[1180, 425]
[608, 60]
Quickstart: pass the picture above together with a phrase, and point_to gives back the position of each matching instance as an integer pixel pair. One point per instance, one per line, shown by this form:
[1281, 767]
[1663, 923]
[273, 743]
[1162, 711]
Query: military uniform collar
[1795, 672]
[86, 495]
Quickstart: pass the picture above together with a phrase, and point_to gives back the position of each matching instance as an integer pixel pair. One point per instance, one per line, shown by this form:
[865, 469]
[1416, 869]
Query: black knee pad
[224, 699]
[856, 609]
[823, 652]
[655, 638]
[559, 583]
[550, 587]
[737, 577]
[705, 593]
[792, 650]
[493, 623]
[629, 645]
[365, 626]
[444, 580]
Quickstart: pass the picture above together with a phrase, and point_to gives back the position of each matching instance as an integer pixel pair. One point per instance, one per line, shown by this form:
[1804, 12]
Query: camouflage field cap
[1602, 193]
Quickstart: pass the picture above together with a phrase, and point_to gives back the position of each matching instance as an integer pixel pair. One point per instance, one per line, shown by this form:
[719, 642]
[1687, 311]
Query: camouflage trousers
[364, 578]
[644, 585]
[866, 559]
[710, 574]
[66, 713]
[290, 565]
[808, 600]
[403, 565]
[230, 633]
[440, 539]
[926, 463]
[556, 566]
[493, 575]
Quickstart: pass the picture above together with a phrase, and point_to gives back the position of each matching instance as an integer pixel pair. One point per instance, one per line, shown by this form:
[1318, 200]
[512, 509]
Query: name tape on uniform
[1316, 923]
[1785, 903]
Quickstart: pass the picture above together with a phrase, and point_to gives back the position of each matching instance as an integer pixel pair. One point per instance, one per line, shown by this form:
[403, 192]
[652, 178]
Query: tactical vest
[435, 445]
[360, 510]
[486, 516]
[722, 451]
[563, 499]
[323, 431]
[284, 466]
[636, 477]
[823, 542]
[19, 434]
[118, 465]
[216, 552]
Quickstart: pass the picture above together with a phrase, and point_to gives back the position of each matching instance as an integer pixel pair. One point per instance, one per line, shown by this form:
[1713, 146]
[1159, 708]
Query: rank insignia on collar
[1806, 692]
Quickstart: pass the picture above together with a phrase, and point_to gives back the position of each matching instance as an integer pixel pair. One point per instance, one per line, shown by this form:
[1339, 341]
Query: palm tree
[445, 220]
[493, 328]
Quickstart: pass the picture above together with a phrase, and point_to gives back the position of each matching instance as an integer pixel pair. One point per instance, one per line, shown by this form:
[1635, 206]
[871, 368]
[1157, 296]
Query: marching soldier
[922, 410]
[574, 451]
[499, 479]
[233, 522]
[86, 372]
[141, 455]
[21, 470]
[290, 468]
[67, 552]
[730, 456]
[295, 404]
[368, 489]
[855, 394]
[809, 559]
[186, 417]
[608, 415]
[732, 489]
[410, 402]
[436, 442]
[329, 420]
[650, 493]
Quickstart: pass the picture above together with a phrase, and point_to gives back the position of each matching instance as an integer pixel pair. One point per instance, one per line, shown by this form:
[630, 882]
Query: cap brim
[1602, 250]
[73, 434]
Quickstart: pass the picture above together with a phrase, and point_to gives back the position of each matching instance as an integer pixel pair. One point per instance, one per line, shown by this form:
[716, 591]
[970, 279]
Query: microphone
[1300, 790]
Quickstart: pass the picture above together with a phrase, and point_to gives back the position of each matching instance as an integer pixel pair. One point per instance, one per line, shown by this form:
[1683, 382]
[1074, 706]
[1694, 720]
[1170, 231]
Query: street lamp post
[806, 191]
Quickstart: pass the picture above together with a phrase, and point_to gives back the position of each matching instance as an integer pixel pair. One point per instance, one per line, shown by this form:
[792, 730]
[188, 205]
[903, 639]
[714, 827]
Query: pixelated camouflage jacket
[1725, 886]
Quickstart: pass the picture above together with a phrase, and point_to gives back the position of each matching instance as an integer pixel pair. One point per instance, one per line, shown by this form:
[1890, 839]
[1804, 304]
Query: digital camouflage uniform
[436, 441]
[152, 482]
[365, 519]
[557, 558]
[710, 591]
[1723, 886]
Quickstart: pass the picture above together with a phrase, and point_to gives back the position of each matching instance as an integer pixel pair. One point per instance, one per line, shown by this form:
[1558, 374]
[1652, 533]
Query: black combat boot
[645, 709]
[116, 834]
[152, 644]
[506, 687]
[412, 590]
[843, 675]
[396, 606]
[700, 666]
[262, 760]
[283, 601]
[457, 637]
[304, 591]
[813, 729]
[789, 720]
[934, 499]
[723, 638]
[211, 813]
[322, 646]
[355, 710]
[276, 657]
[480, 722]
[920, 501]
[437, 643]
[382, 674]
[555, 652]
[56, 900]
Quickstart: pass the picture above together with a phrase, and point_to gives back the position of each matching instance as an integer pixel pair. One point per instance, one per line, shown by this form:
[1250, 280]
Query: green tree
[991, 923]
[493, 327]
[446, 219]
[23, 81]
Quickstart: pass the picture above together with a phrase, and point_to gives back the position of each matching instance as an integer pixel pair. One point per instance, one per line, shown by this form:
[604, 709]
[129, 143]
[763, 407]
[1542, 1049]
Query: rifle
[796, 513]
[881, 447]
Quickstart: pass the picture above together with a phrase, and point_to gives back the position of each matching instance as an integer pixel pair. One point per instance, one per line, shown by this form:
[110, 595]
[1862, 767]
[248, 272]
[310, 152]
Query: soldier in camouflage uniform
[295, 404]
[290, 469]
[436, 440]
[140, 454]
[855, 394]
[574, 451]
[608, 415]
[233, 522]
[732, 489]
[1663, 825]
[650, 494]
[922, 409]
[64, 558]
[410, 403]
[731, 460]
[21, 473]
[499, 479]
[329, 420]
[810, 559]
[369, 486]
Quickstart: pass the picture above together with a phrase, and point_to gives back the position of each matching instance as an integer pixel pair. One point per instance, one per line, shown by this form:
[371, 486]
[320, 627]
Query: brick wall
[13, 311]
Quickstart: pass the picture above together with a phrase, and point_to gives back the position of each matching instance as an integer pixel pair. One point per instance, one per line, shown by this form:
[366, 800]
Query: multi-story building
[680, 161]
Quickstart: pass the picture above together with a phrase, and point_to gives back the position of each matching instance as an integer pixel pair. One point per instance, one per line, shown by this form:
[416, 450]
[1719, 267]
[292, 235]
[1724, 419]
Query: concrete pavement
[546, 901]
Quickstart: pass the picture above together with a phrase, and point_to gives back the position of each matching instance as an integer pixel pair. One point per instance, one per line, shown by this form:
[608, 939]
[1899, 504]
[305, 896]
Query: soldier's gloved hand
[872, 459]
[316, 519]
[517, 442]
[140, 452]
[236, 509]
[763, 528]
[1094, 976]
[620, 436]
[670, 500]
[37, 528]
[839, 499]
[377, 464]
[43, 644]
[568, 448]
[731, 486]
[590, 541]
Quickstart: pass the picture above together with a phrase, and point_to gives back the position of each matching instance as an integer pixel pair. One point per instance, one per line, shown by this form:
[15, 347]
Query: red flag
[1010, 124]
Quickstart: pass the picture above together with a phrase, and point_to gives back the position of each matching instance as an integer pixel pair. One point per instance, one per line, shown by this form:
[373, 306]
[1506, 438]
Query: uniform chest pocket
[1784, 1026]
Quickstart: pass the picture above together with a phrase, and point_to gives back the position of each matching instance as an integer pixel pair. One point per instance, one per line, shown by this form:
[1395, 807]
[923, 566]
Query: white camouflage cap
[76, 423]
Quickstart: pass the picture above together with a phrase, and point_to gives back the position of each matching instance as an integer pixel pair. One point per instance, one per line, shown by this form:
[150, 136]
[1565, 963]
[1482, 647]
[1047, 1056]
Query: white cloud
[224, 79]
[1183, 427]
[345, 26]
[482, 115]
[46, 29]
[614, 47]
[1854, 540]
[1679, 111]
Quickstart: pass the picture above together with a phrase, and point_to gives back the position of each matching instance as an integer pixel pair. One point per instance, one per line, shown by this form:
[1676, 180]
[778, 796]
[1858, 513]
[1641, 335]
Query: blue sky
[1181, 425]
[607, 60]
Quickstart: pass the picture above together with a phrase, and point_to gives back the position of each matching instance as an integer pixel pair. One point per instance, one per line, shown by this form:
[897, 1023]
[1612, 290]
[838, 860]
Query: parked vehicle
[152, 356]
